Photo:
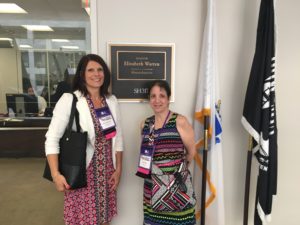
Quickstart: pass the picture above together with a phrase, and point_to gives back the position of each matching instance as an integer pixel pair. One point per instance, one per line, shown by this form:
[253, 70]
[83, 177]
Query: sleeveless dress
[169, 153]
[94, 204]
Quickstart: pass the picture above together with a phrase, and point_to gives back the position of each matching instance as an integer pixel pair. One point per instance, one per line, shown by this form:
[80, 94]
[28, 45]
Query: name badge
[145, 161]
[107, 122]
[105, 118]
[146, 158]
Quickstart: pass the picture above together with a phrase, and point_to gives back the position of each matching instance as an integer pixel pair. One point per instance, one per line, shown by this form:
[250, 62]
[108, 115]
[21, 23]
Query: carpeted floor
[25, 197]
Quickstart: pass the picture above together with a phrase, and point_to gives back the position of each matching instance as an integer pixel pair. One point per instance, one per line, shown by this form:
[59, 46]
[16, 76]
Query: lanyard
[159, 132]
[147, 152]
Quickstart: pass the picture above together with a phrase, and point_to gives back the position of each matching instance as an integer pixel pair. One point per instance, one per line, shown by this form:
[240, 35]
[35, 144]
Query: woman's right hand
[60, 183]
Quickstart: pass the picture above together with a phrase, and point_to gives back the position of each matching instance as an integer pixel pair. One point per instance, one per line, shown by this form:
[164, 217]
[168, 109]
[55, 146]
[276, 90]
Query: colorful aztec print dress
[169, 149]
[94, 204]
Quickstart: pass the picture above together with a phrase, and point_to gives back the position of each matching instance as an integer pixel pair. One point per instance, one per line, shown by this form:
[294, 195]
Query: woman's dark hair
[79, 82]
[162, 84]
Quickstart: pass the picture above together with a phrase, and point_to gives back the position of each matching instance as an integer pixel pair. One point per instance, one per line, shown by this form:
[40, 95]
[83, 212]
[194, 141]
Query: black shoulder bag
[72, 157]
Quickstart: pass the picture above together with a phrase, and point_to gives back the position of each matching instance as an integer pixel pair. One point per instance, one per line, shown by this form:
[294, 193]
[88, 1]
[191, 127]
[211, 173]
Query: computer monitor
[23, 105]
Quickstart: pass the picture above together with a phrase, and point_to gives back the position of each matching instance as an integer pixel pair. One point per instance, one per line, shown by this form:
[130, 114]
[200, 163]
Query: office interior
[26, 198]
[41, 43]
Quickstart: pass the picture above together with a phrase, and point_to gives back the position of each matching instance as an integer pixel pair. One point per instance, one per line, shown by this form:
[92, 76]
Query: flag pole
[204, 169]
[247, 181]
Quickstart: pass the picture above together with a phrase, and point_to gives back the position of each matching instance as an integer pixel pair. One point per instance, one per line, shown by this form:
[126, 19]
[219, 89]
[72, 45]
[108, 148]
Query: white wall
[181, 22]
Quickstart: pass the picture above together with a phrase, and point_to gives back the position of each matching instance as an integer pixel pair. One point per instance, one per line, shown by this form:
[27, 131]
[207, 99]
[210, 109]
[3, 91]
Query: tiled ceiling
[67, 18]
[60, 10]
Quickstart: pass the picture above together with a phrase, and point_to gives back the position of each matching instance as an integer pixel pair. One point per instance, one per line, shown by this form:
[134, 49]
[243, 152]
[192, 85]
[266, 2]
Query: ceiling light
[37, 27]
[60, 40]
[88, 11]
[6, 39]
[11, 8]
[25, 46]
[6, 43]
[70, 47]
[86, 5]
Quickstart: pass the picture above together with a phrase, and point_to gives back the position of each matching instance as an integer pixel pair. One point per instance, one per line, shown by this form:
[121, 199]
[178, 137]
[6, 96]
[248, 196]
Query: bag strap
[77, 120]
[74, 112]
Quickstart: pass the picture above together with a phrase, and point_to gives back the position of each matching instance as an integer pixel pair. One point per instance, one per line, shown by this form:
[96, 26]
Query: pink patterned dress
[96, 203]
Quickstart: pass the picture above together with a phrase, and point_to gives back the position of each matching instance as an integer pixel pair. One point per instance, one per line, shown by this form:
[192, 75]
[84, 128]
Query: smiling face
[94, 76]
[159, 100]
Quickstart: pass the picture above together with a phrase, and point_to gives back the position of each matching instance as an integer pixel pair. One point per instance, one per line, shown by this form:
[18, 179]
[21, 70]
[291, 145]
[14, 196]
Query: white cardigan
[60, 119]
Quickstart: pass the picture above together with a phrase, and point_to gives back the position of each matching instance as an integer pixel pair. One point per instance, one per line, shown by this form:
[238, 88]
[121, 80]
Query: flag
[208, 104]
[259, 114]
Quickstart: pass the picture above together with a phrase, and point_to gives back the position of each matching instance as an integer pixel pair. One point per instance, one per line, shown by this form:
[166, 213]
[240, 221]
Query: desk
[23, 137]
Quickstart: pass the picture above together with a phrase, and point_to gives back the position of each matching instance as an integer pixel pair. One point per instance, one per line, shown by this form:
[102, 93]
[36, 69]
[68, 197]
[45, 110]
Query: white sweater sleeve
[58, 124]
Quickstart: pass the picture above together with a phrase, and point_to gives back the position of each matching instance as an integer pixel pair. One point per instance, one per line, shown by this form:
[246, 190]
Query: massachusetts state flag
[208, 104]
[259, 115]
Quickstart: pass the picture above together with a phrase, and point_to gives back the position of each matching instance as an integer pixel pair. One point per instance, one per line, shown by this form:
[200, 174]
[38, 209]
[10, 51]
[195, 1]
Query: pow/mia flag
[259, 115]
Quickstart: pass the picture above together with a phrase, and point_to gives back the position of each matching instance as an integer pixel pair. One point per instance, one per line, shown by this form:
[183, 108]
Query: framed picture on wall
[133, 66]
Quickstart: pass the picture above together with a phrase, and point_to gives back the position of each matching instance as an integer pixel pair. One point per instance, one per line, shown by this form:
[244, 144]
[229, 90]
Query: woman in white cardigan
[96, 203]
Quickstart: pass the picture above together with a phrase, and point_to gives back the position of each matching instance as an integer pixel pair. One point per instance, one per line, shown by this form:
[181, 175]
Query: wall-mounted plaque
[133, 66]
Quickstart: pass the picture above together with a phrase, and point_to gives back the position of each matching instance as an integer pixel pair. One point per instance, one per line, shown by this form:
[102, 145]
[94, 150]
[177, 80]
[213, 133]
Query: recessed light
[60, 40]
[37, 27]
[25, 46]
[6, 42]
[70, 47]
[86, 5]
[6, 39]
[88, 11]
[11, 8]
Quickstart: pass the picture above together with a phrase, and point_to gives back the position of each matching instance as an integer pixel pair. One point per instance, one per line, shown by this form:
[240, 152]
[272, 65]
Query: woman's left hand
[115, 180]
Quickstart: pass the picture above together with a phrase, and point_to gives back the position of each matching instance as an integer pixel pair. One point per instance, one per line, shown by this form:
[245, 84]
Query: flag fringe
[201, 114]
[211, 186]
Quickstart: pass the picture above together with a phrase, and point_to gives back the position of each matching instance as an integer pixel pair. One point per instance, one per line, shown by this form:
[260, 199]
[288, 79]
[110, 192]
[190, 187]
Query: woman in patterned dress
[174, 143]
[95, 203]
